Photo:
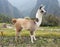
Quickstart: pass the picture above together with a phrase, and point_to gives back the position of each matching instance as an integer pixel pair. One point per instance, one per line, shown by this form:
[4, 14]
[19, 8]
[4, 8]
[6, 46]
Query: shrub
[50, 20]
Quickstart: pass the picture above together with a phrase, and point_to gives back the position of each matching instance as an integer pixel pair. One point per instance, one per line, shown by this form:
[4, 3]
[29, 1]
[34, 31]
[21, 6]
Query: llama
[28, 24]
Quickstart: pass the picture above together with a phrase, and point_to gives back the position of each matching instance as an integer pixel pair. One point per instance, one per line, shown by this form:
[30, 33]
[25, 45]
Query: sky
[59, 2]
[21, 4]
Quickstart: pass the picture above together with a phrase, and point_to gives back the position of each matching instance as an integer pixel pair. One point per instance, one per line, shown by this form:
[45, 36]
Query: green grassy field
[42, 31]
[46, 37]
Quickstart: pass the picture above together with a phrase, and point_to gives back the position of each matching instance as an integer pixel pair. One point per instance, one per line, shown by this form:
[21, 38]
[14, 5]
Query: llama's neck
[39, 16]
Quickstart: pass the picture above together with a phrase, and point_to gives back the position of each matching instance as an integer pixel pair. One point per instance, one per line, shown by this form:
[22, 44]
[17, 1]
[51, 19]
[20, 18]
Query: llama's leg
[17, 34]
[32, 36]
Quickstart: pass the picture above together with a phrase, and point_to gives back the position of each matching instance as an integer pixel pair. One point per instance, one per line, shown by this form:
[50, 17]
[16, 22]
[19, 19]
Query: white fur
[39, 16]
[32, 37]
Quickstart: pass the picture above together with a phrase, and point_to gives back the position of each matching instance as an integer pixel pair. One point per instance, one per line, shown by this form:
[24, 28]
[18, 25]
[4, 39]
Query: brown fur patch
[37, 20]
[14, 21]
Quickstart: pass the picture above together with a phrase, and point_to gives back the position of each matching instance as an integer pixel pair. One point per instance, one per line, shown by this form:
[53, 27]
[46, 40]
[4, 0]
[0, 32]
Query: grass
[25, 42]
[46, 37]
[42, 33]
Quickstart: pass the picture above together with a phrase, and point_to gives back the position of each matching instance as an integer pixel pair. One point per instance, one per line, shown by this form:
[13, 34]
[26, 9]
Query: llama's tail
[13, 21]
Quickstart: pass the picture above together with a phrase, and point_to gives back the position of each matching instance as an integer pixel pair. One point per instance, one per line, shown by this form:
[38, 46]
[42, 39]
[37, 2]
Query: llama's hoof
[35, 39]
[32, 42]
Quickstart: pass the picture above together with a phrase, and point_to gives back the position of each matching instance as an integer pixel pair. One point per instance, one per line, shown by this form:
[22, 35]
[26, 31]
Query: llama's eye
[42, 11]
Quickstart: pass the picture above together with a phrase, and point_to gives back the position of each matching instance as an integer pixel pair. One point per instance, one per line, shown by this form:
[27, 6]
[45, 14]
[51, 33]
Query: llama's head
[42, 10]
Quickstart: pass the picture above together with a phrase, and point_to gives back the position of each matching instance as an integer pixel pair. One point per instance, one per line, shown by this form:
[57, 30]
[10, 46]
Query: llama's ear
[41, 6]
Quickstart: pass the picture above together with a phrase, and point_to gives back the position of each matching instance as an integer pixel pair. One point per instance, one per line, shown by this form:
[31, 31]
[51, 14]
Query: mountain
[52, 7]
[8, 9]
[25, 6]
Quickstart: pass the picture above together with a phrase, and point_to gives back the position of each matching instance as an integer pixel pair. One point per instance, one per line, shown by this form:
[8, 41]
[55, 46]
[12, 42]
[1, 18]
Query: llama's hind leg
[17, 34]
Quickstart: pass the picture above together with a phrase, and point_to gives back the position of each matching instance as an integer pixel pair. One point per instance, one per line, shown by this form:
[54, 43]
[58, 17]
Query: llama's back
[26, 24]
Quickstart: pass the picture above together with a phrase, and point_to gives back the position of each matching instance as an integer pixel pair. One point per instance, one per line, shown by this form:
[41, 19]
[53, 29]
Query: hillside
[52, 7]
[7, 9]
[23, 8]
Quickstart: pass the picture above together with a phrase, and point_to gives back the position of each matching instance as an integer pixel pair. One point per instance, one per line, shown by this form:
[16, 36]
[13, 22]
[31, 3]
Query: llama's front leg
[32, 36]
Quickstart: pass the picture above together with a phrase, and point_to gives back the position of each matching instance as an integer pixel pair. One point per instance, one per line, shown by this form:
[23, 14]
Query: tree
[50, 20]
[5, 18]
